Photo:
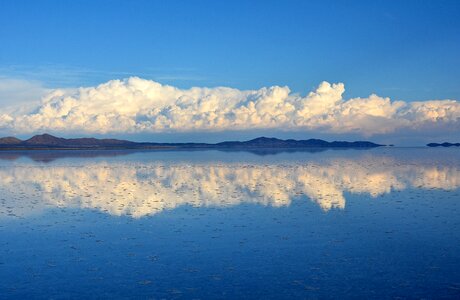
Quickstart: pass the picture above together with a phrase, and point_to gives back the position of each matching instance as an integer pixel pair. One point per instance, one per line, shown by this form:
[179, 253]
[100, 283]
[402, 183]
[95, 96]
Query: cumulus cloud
[137, 105]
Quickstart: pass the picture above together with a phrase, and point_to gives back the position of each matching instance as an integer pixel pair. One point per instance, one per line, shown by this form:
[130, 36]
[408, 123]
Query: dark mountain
[264, 142]
[52, 141]
[444, 145]
[46, 141]
[9, 140]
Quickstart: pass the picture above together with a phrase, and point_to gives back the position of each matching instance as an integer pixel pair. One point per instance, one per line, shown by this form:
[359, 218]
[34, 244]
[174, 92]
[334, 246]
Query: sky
[387, 71]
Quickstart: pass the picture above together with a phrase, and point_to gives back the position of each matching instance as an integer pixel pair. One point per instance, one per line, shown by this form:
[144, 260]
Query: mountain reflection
[138, 189]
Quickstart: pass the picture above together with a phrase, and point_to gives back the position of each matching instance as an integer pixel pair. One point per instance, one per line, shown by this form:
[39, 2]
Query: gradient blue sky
[399, 49]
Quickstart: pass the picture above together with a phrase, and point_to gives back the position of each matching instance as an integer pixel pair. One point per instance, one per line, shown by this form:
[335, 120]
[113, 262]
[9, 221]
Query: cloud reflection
[140, 189]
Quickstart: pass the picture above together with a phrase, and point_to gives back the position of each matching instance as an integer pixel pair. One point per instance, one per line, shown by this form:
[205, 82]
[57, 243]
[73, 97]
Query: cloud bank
[136, 105]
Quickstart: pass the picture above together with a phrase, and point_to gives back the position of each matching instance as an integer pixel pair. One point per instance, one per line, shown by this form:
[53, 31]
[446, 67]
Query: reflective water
[208, 224]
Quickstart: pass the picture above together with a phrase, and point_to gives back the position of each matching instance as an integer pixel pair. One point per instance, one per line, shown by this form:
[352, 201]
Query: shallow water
[208, 224]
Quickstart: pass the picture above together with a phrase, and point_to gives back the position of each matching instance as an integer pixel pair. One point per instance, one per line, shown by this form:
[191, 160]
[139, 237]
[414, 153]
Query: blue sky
[405, 50]
[401, 49]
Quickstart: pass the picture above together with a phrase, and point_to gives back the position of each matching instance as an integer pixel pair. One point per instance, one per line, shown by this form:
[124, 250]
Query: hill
[443, 144]
[47, 141]
[264, 142]
[9, 141]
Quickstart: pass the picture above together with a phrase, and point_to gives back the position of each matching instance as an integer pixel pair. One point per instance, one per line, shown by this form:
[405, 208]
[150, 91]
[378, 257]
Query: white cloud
[138, 105]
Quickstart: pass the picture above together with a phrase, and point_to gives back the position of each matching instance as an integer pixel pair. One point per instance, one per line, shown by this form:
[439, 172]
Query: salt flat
[210, 224]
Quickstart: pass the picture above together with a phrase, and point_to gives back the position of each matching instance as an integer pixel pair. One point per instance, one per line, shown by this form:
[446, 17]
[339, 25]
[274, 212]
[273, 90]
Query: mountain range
[446, 144]
[47, 141]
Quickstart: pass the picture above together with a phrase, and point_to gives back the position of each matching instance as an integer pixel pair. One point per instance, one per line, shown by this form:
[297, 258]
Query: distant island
[443, 144]
[47, 141]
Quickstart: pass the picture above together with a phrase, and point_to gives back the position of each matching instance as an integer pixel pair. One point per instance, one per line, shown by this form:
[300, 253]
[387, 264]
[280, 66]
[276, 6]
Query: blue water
[380, 223]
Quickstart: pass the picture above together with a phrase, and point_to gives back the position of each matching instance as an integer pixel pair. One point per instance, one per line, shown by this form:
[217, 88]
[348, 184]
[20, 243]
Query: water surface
[209, 224]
